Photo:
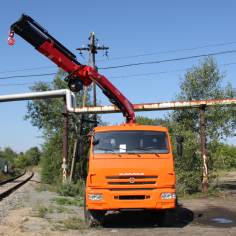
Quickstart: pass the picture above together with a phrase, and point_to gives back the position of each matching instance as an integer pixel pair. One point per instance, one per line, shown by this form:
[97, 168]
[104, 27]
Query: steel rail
[14, 188]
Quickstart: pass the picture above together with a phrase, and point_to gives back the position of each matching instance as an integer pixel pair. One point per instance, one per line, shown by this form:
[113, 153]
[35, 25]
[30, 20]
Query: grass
[68, 201]
[5, 176]
[45, 187]
[62, 209]
[25, 219]
[38, 169]
[223, 172]
[73, 223]
[40, 210]
[216, 188]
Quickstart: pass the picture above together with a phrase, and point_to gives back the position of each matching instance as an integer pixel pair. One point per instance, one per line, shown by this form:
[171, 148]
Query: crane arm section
[79, 74]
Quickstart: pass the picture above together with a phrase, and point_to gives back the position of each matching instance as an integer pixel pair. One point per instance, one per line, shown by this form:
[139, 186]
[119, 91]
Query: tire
[167, 217]
[93, 217]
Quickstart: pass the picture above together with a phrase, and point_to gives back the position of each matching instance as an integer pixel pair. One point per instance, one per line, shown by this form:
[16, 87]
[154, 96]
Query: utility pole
[92, 48]
[203, 149]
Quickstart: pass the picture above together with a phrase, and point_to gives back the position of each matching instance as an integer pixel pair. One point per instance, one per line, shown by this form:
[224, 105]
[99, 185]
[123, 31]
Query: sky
[131, 29]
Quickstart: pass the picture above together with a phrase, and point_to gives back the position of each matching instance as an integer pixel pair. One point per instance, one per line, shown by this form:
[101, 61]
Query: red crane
[79, 75]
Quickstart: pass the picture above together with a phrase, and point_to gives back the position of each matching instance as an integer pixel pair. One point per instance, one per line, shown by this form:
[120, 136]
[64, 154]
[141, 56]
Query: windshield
[125, 142]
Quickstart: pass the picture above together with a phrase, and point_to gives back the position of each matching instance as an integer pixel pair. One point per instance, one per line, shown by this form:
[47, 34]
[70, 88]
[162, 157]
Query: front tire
[93, 217]
[164, 218]
[167, 217]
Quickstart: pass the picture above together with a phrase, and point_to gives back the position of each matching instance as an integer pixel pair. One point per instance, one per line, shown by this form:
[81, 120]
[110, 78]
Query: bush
[224, 157]
[70, 188]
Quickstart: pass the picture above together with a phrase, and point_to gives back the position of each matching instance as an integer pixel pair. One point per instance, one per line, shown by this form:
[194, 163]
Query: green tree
[9, 154]
[148, 121]
[203, 82]
[34, 155]
[22, 161]
[46, 114]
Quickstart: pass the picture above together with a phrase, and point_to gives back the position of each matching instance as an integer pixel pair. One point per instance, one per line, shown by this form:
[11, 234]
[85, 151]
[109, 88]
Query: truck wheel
[93, 217]
[167, 217]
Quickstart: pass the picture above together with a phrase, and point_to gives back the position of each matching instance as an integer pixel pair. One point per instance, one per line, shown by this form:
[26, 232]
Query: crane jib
[79, 75]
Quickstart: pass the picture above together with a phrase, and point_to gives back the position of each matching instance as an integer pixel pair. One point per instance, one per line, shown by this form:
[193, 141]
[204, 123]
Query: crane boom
[79, 74]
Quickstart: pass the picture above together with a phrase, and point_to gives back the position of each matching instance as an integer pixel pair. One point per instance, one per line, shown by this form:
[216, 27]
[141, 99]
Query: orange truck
[131, 166]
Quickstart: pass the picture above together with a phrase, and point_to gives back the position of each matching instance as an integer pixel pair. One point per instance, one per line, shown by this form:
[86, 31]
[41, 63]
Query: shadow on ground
[143, 219]
[214, 216]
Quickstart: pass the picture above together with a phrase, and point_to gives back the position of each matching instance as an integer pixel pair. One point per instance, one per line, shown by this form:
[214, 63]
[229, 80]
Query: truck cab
[131, 168]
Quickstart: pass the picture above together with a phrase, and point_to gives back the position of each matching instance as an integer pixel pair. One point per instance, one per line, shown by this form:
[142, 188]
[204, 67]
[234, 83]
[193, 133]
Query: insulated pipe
[70, 97]
[69, 105]
[154, 106]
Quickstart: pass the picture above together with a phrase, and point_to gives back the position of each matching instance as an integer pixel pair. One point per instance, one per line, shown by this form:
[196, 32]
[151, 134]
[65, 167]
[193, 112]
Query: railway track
[9, 186]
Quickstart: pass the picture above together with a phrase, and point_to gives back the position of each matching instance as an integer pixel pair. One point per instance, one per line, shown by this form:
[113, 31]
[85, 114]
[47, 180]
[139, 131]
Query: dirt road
[195, 217]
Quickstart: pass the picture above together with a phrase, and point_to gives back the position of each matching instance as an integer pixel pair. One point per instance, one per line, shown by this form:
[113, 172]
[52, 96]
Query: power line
[125, 76]
[23, 76]
[176, 59]
[178, 50]
[161, 72]
[24, 84]
[45, 67]
[149, 54]
[141, 63]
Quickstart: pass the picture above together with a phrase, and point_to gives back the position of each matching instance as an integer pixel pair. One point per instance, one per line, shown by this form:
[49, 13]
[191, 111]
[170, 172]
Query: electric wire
[142, 63]
[125, 76]
[39, 68]
[177, 50]
[162, 72]
[148, 54]
[23, 76]
[176, 59]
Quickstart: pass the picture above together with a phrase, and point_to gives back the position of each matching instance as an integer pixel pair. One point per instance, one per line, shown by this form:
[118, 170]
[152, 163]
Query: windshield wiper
[147, 150]
[129, 151]
[109, 151]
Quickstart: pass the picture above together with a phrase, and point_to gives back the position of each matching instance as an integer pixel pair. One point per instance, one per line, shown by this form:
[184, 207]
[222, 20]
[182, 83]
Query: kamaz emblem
[131, 180]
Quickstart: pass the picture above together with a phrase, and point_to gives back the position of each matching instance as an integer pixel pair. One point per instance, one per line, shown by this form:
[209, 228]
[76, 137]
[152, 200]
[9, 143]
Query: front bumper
[115, 199]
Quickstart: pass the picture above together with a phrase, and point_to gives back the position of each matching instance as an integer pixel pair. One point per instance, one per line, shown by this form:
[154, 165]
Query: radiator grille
[128, 183]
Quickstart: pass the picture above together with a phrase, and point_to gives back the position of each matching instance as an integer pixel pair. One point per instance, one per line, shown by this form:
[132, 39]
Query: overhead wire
[23, 76]
[176, 59]
[39, 68]
[177, 50]
[148, 54]
[125, 76]
[141, 63]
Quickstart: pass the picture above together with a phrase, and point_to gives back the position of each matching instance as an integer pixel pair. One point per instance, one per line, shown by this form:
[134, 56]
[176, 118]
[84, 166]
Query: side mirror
[80, 149]
[179, 140]
[95, 141]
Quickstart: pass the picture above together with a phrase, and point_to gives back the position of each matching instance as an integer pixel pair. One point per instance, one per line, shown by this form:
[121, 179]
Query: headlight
[95, 197]
[168, 196]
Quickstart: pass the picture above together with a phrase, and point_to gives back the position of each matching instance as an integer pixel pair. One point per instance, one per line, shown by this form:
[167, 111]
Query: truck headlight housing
[168, 196]
[95, 197]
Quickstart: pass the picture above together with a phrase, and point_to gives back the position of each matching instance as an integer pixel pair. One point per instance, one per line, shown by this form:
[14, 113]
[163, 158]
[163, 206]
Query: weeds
[50, 208]
[45, 187]
[73, 223]
[68, 201]
[62, 209]
[41, 210]
[5, 176]
[71, 189]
